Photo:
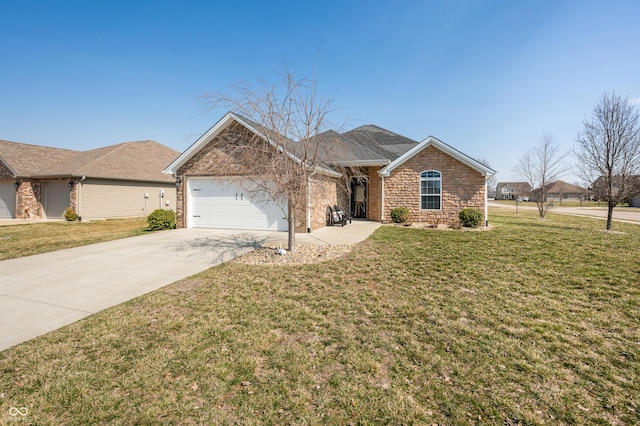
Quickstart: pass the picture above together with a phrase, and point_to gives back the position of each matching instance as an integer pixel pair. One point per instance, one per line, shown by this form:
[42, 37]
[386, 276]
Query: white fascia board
[431, 141]
[363, 163]
[214, 131]
[328, 172]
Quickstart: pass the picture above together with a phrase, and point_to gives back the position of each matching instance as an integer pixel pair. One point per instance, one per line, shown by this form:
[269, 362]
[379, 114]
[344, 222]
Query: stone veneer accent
[29, 200]
[462, 187]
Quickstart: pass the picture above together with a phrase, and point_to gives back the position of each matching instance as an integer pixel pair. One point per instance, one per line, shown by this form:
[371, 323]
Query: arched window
[430, 190]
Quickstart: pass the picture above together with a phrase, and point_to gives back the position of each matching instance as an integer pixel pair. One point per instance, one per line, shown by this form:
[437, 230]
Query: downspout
[382, 202]
[79, 197]
[486, 204]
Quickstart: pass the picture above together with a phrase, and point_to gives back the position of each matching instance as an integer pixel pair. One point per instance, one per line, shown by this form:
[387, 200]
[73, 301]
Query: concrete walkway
[44, 292]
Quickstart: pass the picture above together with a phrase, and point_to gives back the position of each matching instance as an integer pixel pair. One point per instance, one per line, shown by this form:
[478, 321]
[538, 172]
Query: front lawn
[42, 237]
[533, 322]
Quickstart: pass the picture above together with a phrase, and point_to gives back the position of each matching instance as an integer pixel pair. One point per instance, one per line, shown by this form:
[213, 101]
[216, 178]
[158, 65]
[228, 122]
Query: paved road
[623, 214]
[44, 292]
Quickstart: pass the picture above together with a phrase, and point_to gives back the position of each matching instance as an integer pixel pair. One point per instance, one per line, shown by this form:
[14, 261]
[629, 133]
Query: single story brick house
[560, 190]
[123, 180]
[434, 180]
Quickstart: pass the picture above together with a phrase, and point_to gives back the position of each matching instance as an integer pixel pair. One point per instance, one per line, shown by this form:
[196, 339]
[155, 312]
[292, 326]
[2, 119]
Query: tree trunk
[291, 219]
[610, 207]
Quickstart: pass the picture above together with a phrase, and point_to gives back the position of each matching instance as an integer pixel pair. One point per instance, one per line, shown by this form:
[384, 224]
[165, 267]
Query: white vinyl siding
[105, 199]
[222, 203]
[7, 200]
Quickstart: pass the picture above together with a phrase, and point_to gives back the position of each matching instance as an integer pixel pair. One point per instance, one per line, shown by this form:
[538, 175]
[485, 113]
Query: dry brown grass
[29, 239]
[535, 322]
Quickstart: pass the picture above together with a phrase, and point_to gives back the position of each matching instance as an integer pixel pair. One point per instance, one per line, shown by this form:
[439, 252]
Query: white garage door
[7, 200]
[219, 203]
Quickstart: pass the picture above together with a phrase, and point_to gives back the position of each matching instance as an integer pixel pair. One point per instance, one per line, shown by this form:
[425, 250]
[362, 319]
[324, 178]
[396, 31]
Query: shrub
[70, 215]
[160, 220]
[470, 218]
[401, 215]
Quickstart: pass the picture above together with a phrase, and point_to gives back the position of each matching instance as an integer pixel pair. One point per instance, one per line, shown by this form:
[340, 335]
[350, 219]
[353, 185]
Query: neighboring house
[562, 191]
[432, 179]
[123, 180]
[513, 191]
[633, 188]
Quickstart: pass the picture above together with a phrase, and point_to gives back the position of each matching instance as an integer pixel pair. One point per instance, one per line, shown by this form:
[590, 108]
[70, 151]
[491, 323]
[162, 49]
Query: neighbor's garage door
[56, 198]
[219, 203]
[7, 200]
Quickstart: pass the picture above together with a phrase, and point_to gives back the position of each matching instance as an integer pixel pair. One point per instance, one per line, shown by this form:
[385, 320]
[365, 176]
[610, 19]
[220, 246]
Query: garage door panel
[7, 200]
[219, 203]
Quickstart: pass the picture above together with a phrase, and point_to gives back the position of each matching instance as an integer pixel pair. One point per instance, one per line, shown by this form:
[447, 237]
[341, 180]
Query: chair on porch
[336, 216]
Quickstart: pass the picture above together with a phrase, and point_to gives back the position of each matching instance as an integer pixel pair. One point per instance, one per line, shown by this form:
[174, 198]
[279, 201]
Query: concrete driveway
[44, 292]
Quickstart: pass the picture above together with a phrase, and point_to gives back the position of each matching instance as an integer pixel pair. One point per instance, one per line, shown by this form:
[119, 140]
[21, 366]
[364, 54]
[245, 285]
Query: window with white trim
[430, 190]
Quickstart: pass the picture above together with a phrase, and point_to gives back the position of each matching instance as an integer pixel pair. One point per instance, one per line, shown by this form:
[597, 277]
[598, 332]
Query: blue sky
[487, 77]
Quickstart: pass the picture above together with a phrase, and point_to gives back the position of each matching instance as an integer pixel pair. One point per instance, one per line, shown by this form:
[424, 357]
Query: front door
[359, 197]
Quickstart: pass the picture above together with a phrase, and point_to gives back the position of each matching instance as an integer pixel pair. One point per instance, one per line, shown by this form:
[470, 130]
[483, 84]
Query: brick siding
[462, 187]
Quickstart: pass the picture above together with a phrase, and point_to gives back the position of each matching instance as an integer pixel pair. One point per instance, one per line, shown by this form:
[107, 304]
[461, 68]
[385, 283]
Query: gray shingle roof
[142, 161]
[518, 187]
[384, 143]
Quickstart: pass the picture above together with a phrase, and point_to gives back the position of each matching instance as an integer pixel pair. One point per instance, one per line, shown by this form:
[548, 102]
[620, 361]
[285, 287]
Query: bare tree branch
[283, 152]
[608, 150]
[542, 165]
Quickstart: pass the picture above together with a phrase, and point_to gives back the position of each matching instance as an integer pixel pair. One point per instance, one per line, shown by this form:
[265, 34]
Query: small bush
[470, 218]
[70, 215]
[160, 220]
[400, 215]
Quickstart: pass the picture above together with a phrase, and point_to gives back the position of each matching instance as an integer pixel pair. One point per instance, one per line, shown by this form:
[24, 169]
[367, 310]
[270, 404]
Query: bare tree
[608, 150]
[281, 159]
[541, 166]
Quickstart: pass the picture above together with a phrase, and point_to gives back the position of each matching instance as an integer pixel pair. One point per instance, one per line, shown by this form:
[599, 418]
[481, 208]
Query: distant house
[123, 180]
[561, 191]
[633, 190]
[513, 191]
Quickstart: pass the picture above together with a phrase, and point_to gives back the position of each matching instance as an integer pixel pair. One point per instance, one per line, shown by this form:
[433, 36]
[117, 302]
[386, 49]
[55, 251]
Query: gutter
[382, 201]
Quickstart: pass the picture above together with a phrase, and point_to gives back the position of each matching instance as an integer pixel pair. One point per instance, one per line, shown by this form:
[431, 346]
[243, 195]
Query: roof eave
[363, 163]
[214, 131]
[431, 141]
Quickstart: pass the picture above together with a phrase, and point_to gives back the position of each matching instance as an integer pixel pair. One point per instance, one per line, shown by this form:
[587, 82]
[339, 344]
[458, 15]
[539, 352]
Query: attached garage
[227, 204]
[7, 200]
